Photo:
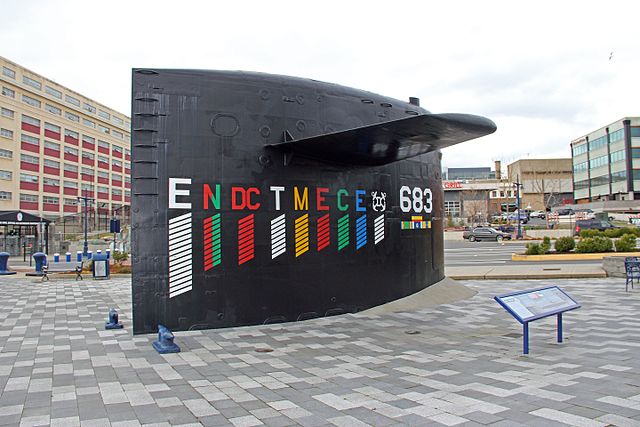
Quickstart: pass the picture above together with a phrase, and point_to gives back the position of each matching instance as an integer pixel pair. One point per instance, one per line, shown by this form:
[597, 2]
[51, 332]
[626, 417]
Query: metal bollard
[4, 264]
[79, 256]
[68, 257]
[89, 254]
[165, 342]
[41, 260]
[112, 322]
[56, 257]
[108, 252]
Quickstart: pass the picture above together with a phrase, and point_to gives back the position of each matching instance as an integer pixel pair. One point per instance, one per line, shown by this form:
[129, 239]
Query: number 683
[417, 199]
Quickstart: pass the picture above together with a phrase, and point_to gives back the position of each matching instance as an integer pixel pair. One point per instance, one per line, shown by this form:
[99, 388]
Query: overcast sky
[546, 72]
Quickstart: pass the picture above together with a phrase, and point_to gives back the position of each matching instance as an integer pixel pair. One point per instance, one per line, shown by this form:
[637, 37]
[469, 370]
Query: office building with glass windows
[56, 145]
[606, 163]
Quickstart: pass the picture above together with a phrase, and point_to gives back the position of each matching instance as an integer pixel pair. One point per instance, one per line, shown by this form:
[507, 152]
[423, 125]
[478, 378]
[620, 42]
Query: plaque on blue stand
[527, 306]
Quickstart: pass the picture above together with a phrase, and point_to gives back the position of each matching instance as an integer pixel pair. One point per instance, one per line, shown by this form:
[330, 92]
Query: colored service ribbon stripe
[378, 229]
[343, 232]
[212, 244]
[302, 234]
[361, 231]
[323, 232]
[180, 251]
[245, 239]
[278, 236]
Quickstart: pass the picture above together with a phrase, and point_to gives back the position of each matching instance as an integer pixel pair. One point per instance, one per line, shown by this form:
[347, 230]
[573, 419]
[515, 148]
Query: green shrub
[614, 232]
[450, 221]
[565, 244]
[538, 248]
[120, 257]
[532, 249]
[630, 230]
[594, 245]
[545, 246]
[590, 233]
[626, 243]
[603, 244]
[585, 245]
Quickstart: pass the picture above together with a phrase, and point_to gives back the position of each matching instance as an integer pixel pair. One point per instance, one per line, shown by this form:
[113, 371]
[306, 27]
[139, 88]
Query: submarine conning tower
[260, 198]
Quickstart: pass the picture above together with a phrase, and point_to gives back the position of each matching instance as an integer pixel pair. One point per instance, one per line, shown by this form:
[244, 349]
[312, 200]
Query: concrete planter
[614, 266]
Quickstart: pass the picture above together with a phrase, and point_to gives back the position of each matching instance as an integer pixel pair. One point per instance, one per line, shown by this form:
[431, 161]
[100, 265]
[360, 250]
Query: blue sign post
[527, 306]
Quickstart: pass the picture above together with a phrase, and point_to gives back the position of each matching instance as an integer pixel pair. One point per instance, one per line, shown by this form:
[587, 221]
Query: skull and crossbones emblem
[379, 203]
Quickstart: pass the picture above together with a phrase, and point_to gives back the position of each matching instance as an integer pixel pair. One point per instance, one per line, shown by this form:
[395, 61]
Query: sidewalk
[459, 363]
[534, 271]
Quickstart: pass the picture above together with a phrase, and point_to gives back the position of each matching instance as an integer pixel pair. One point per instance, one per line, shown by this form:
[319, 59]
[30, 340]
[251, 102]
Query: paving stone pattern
[464, 366]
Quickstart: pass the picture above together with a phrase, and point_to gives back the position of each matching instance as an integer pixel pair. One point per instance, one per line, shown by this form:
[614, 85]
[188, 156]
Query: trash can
[100, 266]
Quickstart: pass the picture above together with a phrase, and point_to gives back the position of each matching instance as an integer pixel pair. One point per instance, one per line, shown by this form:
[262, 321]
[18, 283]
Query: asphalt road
[460, 253]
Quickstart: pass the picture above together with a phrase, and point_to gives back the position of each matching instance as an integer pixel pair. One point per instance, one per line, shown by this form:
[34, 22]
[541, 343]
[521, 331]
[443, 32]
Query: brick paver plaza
[458, 364]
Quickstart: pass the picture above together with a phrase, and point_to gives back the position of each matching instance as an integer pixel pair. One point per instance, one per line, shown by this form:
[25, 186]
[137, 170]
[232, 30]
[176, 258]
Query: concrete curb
[524, 272]
[506, 276]
[571, 257]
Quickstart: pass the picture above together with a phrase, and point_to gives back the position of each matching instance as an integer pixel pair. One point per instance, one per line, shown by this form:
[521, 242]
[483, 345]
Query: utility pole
[518, 185]
[85, 212]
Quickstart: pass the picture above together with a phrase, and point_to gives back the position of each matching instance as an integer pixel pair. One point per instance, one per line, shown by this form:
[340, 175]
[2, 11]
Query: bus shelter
[22, 232]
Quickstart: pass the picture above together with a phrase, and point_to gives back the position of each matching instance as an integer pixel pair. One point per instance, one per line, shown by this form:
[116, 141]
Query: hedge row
[613, 232]
[627, 243]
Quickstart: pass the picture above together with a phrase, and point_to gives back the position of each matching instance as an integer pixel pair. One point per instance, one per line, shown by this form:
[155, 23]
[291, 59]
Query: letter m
[301, 203]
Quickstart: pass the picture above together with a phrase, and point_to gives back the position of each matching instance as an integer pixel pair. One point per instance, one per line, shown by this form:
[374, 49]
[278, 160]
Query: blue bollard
[112, 322]
[89, 254]
[68, 256]
[56, 257]
[41, 260]
[79, 256]
[4, 264]
[165, 342]
[108, 252]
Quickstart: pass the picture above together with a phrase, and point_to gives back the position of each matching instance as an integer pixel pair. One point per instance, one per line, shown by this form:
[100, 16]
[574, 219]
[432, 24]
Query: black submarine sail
[262, 198]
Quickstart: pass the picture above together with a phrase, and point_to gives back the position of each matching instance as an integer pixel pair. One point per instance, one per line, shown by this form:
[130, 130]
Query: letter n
[209, 196]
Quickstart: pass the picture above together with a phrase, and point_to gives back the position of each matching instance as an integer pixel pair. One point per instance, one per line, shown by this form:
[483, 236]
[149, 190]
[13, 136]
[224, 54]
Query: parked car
[506, 228]
[593, 224]
[485, 233]
[524, 217]
[585, 214]
[538, 214]
[565, 212]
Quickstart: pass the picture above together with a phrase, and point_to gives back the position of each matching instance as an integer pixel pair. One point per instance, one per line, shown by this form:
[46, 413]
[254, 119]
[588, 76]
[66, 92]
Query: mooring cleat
[113, 320]
[165, 342]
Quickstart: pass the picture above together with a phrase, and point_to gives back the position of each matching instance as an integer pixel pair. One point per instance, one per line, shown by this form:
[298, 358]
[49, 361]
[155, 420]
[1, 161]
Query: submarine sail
[260, 198]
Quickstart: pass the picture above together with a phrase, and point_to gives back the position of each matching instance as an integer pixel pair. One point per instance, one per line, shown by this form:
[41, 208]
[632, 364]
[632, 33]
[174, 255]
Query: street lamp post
[518, 184]
[86, 200]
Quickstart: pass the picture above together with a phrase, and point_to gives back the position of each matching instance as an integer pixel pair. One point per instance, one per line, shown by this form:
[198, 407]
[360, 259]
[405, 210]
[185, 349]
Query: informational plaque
[530, 305]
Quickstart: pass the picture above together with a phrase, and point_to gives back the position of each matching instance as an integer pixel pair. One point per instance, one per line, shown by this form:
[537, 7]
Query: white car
[538, 214]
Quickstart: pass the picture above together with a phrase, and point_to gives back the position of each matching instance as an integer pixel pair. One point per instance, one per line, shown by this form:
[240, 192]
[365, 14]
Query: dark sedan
[485, 233]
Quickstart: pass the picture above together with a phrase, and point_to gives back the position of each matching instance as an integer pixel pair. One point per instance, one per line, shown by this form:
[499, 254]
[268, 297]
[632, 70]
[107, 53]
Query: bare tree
[475, 206]
[550, 181]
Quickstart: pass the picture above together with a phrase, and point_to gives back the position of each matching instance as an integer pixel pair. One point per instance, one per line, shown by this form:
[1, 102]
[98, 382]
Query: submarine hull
[231, 228]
